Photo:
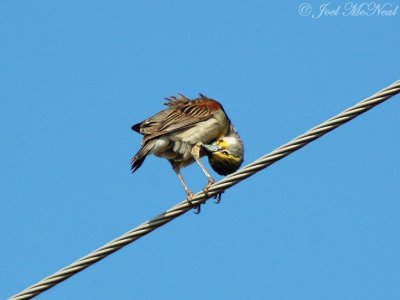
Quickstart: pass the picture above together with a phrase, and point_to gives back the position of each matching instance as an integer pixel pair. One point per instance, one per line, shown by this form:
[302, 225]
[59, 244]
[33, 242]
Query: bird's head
[225, 155]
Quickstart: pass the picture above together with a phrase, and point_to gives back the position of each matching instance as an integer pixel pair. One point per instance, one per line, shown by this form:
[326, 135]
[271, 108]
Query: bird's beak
[210, 148]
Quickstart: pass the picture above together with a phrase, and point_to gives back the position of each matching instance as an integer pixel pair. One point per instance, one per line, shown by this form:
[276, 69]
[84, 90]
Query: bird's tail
[140, 156]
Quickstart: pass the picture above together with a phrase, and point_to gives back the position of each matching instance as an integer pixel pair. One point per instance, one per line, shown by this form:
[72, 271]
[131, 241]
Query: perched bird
[187, 130]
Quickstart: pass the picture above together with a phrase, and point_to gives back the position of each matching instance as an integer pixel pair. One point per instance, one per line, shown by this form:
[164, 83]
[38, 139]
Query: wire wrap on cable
[215, 189]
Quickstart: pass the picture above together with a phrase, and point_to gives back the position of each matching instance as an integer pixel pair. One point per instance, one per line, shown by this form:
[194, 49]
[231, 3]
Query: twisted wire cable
[214, 190]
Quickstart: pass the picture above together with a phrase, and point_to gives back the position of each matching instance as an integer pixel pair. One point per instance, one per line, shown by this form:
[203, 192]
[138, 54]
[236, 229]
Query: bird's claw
[197, 209]
[218, 197]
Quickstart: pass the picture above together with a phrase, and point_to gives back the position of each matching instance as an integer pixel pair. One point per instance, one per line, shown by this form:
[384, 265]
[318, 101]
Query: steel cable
[214, 190]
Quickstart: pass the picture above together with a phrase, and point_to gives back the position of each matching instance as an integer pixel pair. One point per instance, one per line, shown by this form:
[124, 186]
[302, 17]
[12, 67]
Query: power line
[214, 190]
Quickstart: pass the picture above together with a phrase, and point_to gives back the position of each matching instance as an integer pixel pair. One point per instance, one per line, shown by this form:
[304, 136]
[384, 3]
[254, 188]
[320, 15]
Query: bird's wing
[182, 113]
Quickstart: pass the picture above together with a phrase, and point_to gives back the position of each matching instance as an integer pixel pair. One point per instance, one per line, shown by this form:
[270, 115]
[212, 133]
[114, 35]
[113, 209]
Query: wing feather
[181, 114]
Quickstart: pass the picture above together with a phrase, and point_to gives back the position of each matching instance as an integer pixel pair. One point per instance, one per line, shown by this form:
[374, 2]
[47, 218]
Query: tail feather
[140, 156]
[136, 127]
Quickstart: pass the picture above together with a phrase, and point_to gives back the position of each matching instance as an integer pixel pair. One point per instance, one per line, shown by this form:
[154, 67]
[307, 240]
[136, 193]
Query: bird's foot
[189, 198]
[211, 181]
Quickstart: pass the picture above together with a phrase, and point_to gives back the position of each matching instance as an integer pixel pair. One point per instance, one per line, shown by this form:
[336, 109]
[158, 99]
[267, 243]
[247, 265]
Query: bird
[188, 130]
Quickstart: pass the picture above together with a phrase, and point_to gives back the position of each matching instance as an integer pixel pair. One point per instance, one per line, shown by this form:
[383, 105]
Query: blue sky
[323, 223]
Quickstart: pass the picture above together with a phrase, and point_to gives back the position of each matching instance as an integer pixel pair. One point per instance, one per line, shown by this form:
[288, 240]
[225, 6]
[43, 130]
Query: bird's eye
[225, 152]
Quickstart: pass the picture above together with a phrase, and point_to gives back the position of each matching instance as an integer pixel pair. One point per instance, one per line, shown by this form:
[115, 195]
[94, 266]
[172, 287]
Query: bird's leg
[211, 180]
[187, 190]
[196, 156]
